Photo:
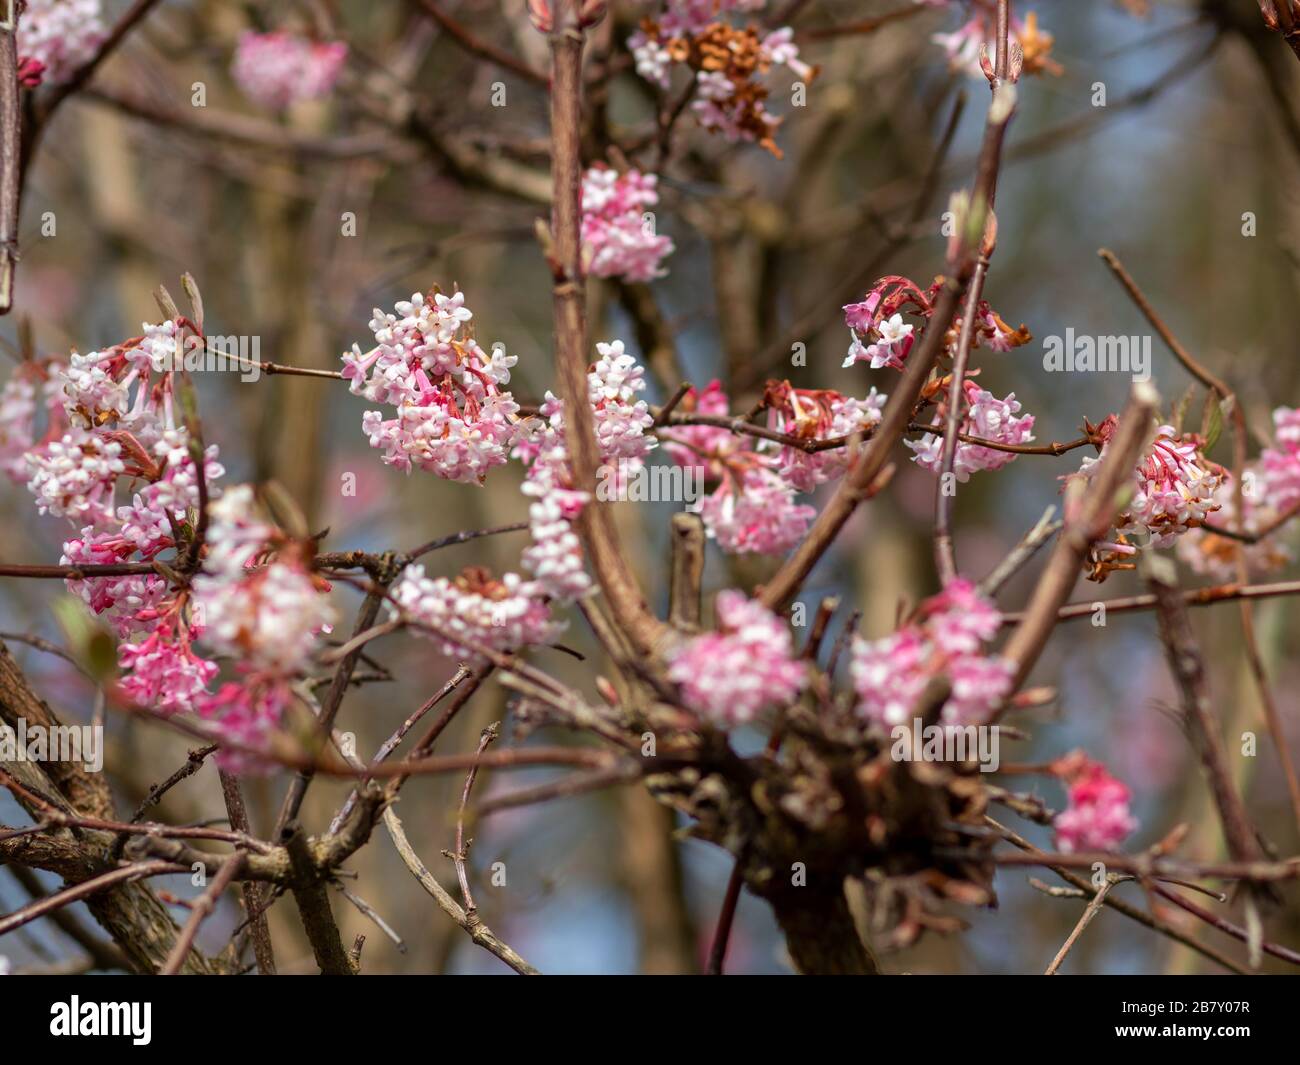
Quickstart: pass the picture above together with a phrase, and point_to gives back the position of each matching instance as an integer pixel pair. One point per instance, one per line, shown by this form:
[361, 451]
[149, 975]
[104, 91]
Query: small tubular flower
[1175, 487]
[267, 615]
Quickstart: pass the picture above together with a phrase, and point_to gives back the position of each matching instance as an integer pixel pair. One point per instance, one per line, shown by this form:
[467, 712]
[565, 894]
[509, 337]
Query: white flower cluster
[475, 611]
[62, 35]
[454, 417]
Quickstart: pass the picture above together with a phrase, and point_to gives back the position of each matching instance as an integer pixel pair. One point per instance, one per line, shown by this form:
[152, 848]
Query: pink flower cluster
[614, 383]
[277, 70]
[752, 507]
[727, 63]
[258, 602]
[945, 638]
[817, 414]
[880, 336]
[257, 596]
[453, 416]
[679, 18]
[18, 408]
[1216, 556]
[731, 676]
[75, 477]
[474, 612]
[618, 228]
[36, 386]
[987, 418]
[161, 669]
[1270, 490]
[753, 511]
[1098, 817]
[729, 105]
[477, 611]
[57, 37]
[114, 439]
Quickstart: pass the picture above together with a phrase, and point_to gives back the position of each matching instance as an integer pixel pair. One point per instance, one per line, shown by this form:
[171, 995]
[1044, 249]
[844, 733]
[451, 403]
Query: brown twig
[1143, 865]
[983, 200]
[1192, 597]
[86, 889]
[726, 918]
[330, 706]
[1044, 529]
[193, 763]
[1132, 912]
[462, 674]
[1226, 926]
[564, 788]
[1198, 720]
[256, 897]
[1090, 911]
[460, 857]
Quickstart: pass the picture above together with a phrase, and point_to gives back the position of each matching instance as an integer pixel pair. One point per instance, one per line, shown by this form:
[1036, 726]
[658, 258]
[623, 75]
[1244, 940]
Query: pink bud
[539, 13]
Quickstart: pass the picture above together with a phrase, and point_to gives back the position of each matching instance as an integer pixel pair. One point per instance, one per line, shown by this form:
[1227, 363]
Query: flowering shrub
[987, 418]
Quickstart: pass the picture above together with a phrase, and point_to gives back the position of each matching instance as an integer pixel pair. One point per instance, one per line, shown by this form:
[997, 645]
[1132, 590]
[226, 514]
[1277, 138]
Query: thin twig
[478, 931]
[1132, 912]
[476, 46]
[461, 856]
[1090, 911]
[84, 890]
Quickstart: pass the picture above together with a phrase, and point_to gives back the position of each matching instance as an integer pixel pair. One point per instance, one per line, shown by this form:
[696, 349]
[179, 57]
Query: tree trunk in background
[653, 878]
[820, 933]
